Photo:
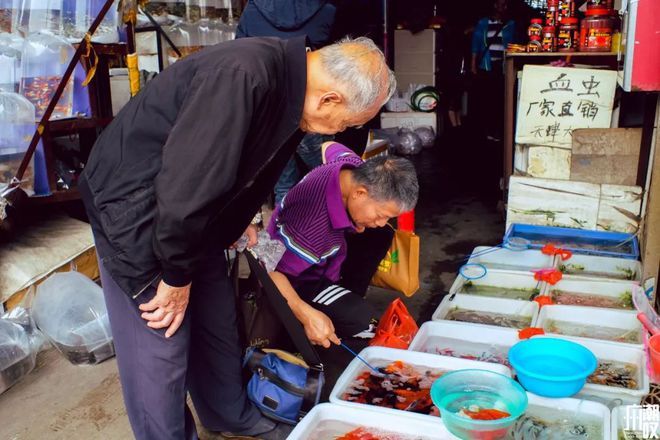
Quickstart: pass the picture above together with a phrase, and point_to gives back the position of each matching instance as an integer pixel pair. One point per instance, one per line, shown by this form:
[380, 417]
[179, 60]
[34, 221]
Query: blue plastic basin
[552, 367]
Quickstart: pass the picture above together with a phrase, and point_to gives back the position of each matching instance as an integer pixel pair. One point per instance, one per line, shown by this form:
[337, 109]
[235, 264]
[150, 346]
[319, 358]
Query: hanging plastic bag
[70, 310]
[20, 341]
[396, 328]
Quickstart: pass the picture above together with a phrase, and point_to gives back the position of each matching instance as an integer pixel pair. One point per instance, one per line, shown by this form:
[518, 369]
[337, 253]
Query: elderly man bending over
[343, 196]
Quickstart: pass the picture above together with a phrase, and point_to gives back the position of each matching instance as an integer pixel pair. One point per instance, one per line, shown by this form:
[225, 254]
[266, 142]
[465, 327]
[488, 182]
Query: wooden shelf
[56, 197]
[559, 54]
[64, 126]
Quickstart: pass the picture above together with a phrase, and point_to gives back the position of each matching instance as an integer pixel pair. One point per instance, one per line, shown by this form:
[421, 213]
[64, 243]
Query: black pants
[365, 251]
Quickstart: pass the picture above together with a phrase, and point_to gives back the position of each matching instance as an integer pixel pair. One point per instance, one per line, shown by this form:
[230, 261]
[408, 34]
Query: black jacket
[187, 163]
[288, 18]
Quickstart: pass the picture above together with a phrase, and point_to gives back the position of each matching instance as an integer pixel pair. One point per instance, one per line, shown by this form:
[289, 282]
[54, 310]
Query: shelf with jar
[562, 30]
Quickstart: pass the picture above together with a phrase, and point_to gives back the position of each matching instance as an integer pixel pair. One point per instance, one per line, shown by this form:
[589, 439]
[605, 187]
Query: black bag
[282, 387]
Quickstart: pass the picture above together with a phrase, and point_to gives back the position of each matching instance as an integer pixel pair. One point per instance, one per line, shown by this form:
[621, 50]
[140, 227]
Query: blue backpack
[282, 386]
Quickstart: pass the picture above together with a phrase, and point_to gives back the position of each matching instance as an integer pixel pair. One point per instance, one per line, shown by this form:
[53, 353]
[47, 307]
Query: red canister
[596, 31]
[535, 28]
[548, 41]
[566, 9]
[600, 4]
[568, 35]
[551, 13]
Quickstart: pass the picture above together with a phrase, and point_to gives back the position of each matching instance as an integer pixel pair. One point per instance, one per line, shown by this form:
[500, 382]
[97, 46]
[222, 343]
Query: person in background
[342, 197]
[491, 36]
[286, 19]
[173, 181]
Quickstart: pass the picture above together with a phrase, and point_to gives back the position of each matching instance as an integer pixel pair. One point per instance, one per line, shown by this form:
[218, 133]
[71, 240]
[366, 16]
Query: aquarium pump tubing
[58, 92]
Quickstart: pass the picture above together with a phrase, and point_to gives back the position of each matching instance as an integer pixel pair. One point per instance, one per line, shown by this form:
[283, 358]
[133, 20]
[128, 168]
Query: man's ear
[360, 192]
[332, 97]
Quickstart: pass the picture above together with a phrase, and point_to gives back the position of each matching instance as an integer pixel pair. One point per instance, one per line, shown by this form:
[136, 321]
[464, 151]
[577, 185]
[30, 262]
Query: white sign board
[554, 101]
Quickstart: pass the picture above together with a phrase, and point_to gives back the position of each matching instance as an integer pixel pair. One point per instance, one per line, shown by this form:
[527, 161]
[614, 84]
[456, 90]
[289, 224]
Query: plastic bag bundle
[70, 310]
[16, 356]
[268, 251]
[409, 143]
[427, 135]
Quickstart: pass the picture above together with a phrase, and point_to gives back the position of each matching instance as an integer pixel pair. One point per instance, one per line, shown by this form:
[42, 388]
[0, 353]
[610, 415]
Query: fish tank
[17, 126]
[78, 15]
[578, 241]
[44, 60]
[39, 16]
[499, 285]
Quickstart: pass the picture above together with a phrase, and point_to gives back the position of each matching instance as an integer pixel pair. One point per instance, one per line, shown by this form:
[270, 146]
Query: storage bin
[562, 419]
[456, 339]
[507, 259]
[578, 241]
[613, 326]
[497, 312]
[508, 285]
[382, 356]
[327, 421]
[627, 419]
[617, 354]
[589, 266]
[602, 293]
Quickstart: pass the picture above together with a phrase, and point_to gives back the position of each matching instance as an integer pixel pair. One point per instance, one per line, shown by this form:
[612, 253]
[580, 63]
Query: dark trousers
[202, 357]
[363, 255]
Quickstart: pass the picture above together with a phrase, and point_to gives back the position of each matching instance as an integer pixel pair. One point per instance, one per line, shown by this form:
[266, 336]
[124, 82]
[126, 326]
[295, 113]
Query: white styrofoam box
[588, 266]
[627, 417]
[378, 355]
[507, 260]
[148, 63]
[620, 207]
[146, 43]
[605, 351]
[420, 42]
[552, 203]
[486, 304]
[409, 120]
[120, 89]
[542, 161]
[569, 404]
[505, 280]
[624, 320]
[352, 418]
[602, 287]
[479, 340]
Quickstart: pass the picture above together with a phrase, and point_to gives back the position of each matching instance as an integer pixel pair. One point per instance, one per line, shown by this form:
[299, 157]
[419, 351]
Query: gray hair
[362, 82]
[389, 178]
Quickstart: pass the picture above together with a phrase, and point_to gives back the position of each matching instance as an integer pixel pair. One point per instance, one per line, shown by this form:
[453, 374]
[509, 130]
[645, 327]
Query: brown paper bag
[399, 270]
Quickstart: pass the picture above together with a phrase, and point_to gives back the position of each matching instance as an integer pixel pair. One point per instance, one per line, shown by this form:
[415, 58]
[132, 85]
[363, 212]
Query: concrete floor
[62, 401]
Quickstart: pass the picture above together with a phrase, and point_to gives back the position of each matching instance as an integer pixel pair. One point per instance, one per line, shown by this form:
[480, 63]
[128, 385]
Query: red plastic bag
[396, 328]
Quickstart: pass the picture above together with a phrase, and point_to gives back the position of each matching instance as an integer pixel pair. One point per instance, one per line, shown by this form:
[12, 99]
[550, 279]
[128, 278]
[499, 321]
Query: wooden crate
[54, 245]
[606, 155]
